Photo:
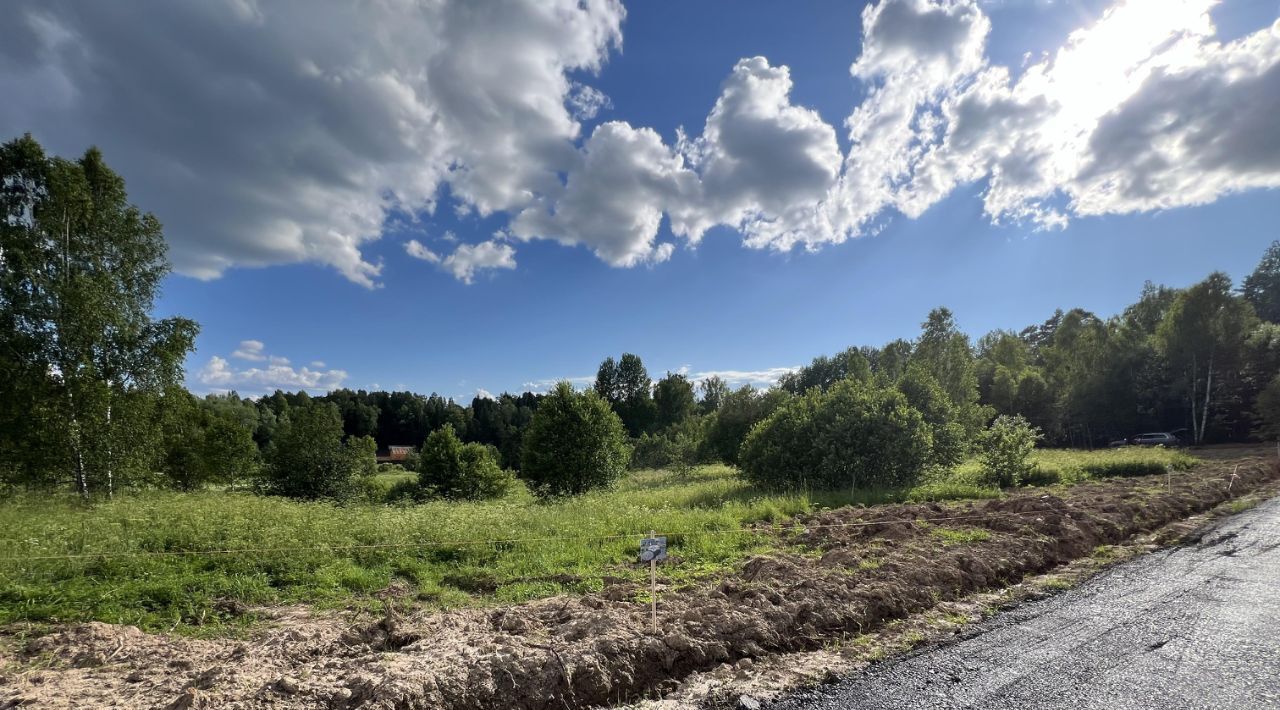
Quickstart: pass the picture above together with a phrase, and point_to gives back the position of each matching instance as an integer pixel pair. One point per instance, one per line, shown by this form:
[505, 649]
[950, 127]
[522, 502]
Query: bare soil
[850, 571]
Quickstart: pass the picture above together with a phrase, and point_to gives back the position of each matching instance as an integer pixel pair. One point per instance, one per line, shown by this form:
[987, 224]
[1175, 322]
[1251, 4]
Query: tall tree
[626, 386]
[80, 269]
[1203, 336]
[714, 389]
[1262, 287]
[673, 400]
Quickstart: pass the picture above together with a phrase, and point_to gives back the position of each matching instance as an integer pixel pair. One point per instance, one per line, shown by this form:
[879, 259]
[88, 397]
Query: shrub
[950, 438]
[855, 435]
[1004, 451]
[308, 458]
[679, 447]
[741, 410]
[575, 442]
[447, 468]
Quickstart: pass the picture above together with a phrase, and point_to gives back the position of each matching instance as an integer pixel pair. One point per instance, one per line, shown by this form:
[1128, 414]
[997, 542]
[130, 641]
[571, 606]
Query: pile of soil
[853, 570]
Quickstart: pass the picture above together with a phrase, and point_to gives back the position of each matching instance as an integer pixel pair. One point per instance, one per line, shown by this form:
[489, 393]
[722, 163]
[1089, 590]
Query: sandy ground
[887, 574]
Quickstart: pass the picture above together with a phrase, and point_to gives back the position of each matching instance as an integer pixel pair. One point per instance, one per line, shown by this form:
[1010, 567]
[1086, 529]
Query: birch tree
[1202, 337]
[80, 269]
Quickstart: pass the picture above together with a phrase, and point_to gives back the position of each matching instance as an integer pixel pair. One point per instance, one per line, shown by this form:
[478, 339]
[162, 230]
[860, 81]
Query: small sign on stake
[653, 549]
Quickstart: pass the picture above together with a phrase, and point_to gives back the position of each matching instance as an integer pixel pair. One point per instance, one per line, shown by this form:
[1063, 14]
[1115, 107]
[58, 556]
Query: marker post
[652, 549]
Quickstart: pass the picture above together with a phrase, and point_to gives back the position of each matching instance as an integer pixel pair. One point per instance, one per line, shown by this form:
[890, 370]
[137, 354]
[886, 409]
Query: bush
[741, 410]
[447, 468]
[854, 435]
[951, 440]
[1004, 451]
[575, 442]
[308, 458]
[679, 447]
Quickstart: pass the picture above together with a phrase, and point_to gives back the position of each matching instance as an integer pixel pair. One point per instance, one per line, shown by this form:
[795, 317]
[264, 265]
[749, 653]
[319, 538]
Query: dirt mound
[869, 566]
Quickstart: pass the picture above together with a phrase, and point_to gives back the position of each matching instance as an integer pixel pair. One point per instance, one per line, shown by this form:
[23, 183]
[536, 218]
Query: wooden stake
[653, 589]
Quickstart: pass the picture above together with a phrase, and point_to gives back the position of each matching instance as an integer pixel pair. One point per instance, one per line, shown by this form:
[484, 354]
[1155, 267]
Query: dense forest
[92, 399]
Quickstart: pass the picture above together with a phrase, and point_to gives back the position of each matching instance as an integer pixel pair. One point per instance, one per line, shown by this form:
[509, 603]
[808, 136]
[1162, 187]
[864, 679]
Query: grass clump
[958, 536]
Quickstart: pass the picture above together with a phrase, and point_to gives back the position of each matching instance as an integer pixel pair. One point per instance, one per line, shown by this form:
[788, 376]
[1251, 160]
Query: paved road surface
[1191, 627]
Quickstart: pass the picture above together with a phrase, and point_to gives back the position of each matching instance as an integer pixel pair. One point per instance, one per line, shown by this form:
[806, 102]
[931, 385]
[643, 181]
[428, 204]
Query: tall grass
[287, 551]
[1070, 466]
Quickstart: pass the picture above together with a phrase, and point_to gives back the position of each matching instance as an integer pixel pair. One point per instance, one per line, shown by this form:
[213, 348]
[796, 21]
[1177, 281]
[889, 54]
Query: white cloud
[250, 350]
[298, 147]
[483, 394]
[580, 382]
[467, 259]
[587, 102]
[417, 250]
[614, 199]
[760, 379]
[286, 132]
[764, 163]
[219, 375]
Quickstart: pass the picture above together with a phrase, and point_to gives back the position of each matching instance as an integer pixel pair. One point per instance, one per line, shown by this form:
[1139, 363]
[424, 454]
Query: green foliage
[81, 359]
[679, 447]
[309, 459]
[714, 390]
[1004, 451]
[575, 443]
[1269, 409]
[739, 411]
[625, 385]
[447, 468]
[950, 438]
[1202, 337]
[673, 400]
[824, 372]
[204, 445]
[1262, 287]
[854, 435]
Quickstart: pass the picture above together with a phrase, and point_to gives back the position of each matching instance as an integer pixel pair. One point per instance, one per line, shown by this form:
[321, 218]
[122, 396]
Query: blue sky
[319, 275]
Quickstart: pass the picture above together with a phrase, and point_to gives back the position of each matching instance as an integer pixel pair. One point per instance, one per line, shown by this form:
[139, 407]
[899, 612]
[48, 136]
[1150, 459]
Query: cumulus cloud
[284, 132]
[288, 132]
[764, 163]
[614, 199]
[467, 259]
[220, 375]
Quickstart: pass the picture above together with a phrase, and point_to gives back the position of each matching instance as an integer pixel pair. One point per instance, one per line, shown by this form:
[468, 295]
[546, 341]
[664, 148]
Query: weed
[954, 536]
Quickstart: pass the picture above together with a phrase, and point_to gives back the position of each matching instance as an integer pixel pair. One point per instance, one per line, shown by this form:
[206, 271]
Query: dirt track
[860, 568]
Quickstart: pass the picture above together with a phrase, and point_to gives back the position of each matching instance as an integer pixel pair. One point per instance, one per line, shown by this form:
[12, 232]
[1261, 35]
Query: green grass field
[127, 561]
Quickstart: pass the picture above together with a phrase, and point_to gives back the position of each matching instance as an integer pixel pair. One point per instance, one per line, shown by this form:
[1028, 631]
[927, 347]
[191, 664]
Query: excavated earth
[851, 571]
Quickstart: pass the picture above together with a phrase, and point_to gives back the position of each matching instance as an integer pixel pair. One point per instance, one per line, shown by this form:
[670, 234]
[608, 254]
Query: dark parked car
[1160, 438]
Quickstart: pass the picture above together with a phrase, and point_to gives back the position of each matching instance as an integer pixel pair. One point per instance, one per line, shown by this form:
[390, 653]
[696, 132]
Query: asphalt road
[1191, 627]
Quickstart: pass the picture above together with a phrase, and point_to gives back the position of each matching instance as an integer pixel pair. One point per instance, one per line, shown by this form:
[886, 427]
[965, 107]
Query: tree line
[91, 394]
